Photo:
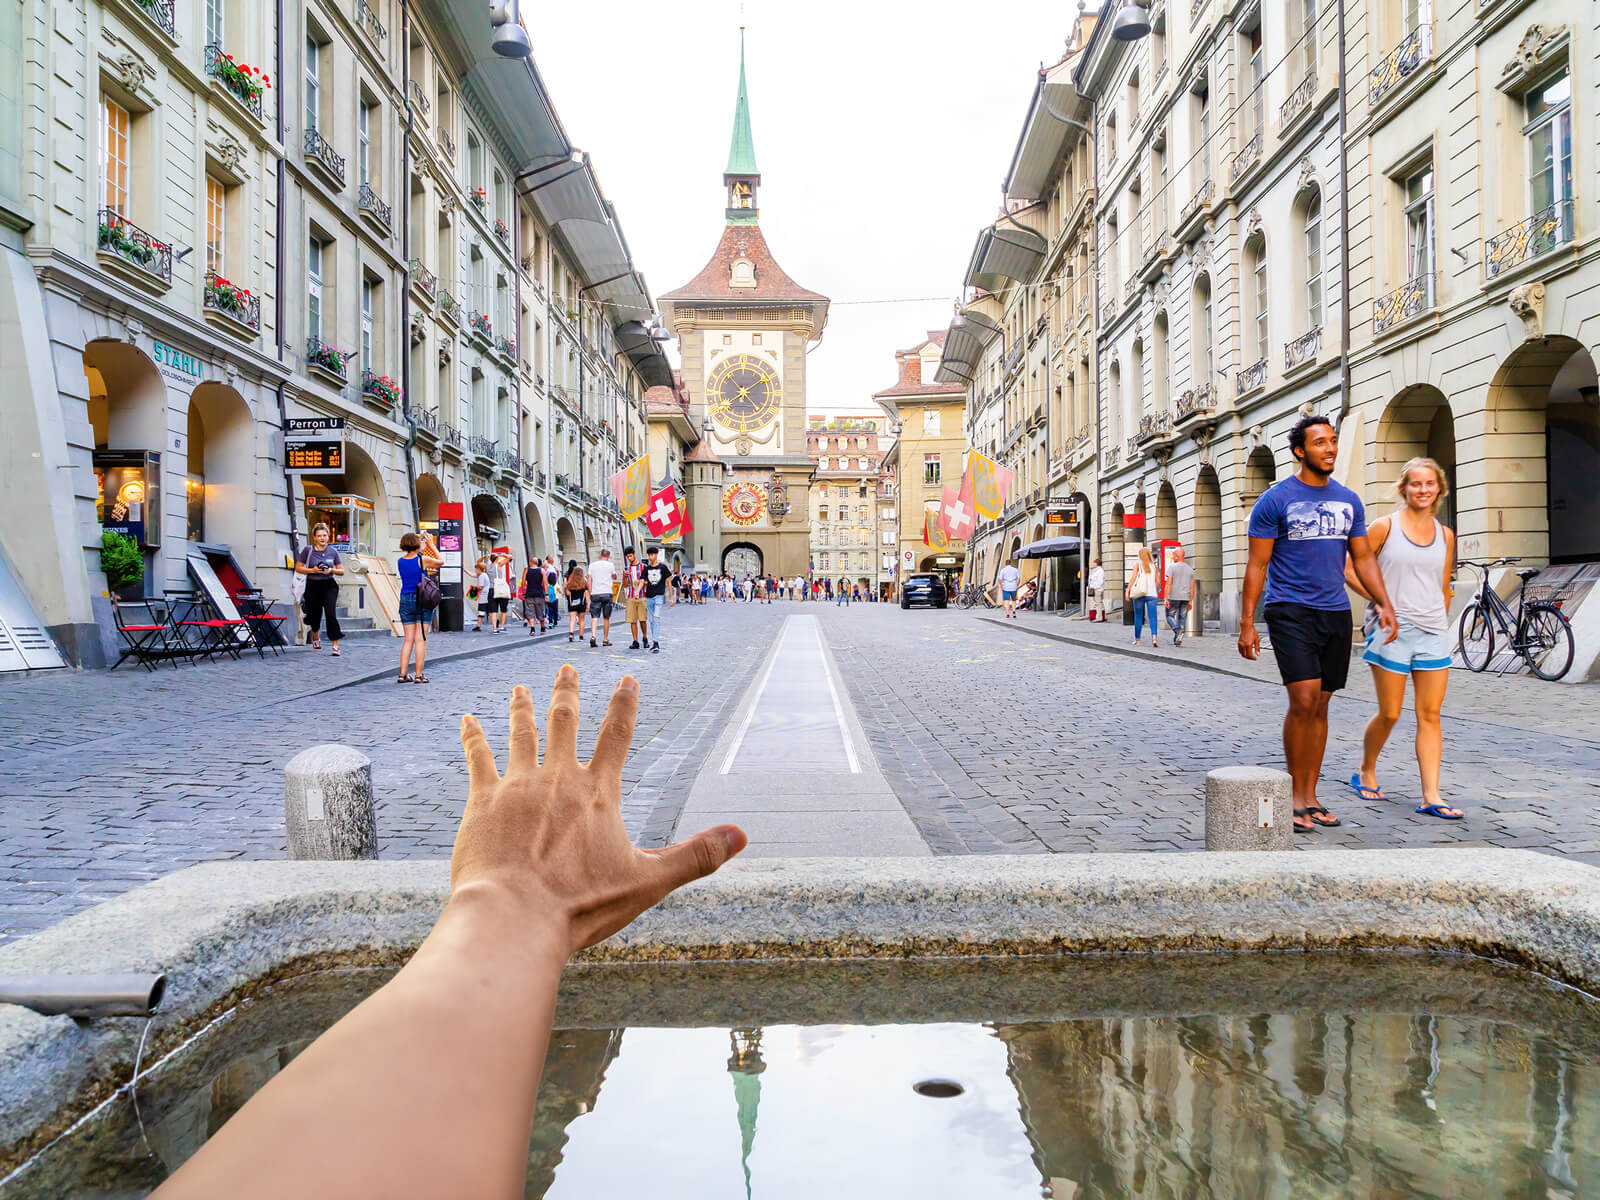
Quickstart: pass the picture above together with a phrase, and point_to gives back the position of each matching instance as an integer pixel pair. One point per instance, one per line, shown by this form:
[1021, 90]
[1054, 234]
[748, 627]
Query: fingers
[481, 772]
[561, 724]
[616, 731]
[524, 733]
[699, 856]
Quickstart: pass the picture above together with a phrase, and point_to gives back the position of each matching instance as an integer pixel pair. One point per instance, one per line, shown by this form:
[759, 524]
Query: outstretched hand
[551, 834]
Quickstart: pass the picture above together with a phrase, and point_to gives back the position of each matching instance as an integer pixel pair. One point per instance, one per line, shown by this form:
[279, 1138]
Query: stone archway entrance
[1116, 541]
[740, 559]
[489, 524]
[430, 494]
[1418, 422]
[1165, 528]
[1206, 553]
[219, 484]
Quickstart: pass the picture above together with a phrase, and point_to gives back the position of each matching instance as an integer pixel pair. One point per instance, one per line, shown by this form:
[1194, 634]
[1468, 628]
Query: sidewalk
[1516, 701]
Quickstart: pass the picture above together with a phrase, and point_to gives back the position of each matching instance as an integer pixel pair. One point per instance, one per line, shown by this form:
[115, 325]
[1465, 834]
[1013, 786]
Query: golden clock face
[744, 393]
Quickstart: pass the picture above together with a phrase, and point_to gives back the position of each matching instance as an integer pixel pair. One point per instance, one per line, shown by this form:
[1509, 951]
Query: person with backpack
[533, 605]
[577, 588]
[418, 555]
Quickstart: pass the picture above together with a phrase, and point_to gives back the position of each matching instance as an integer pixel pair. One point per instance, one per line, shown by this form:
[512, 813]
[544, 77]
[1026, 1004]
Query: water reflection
[1291, 1078]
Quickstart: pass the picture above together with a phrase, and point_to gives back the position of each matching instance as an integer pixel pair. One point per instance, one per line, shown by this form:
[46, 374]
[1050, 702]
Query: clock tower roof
[742, 148]
[718, 279]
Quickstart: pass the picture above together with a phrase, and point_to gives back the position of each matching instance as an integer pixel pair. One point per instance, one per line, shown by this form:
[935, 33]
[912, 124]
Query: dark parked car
[923, 589]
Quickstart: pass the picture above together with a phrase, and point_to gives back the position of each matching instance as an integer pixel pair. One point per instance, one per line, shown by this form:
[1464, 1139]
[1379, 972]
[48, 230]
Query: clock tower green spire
[742, 177]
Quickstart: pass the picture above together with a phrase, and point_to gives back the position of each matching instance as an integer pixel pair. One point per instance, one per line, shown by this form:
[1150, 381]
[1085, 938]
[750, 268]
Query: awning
[1044, 134]
[510, 90]
[1005, 253]
[1054, 547]
[644, 352]
[969, 333]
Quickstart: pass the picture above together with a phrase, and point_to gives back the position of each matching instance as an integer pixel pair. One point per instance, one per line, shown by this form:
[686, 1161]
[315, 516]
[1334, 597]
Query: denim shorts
[410, 613]
[1414, 650]
[1008, 593]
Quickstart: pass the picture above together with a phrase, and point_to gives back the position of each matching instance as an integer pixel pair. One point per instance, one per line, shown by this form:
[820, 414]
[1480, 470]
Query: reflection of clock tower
[743, 327]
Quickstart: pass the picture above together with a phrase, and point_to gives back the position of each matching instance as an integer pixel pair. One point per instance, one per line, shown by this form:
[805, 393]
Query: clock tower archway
[743, 326]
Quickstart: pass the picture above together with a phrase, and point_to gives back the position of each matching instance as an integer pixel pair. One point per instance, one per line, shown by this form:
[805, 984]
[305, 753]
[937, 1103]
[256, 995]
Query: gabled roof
[714, 282]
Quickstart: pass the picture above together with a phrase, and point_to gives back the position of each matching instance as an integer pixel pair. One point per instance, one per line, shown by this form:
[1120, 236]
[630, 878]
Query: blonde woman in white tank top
[1416, 555]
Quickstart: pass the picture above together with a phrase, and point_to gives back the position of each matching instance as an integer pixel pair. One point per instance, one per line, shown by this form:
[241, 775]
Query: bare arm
[1449, 563]
[1377, 535]
[427, 1087]
[1255, 578]
[1365, 564]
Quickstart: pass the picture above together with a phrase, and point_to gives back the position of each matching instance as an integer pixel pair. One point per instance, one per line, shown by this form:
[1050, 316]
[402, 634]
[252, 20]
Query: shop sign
[314, 445]
[177, 366]
[945, 562]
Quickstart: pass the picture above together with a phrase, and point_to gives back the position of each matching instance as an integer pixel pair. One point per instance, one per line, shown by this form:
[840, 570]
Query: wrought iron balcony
[479, 324]
[1299, 100]
[1406, 301]
[1013, 358]
[234, 80]
[369, 21]
[447, 143]
[418, 98]
[508, 461]
[327, 358]
[320, 153]
[1108, 311]
[122, 239]
[367, 202]
[1252, 377]
[427, 421]
[1153, 426]
[1401, 63]
[1198, 204]
[162, 13]
[424, 278]
[507, 348]
[451, 435]
[482, 447]
[1112, 457]
[1302, 350]
[1542, 232]
[379, 388]
[1195, 402]
[1246, 158]
[227, 299]
[449, 305]
[1132, 448]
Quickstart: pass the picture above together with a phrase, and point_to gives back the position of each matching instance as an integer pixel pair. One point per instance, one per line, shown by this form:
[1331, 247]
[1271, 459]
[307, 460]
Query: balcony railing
[424, 278]
[232, 77]
[228, 299]
[321, 152]
[125, 240]
[1542, 232]
[1246, 158]
[449, 305]
[1302, 350]
[1299, 100]
[1112, 457]
[508, 461]
[419, 98]
[367, 202]
[482, 447]
[1195, 401]
[1406, 301]
[1108, 311]
[1401, 63]
[451, 435]
[1194, 9]
[162, 13]
[327, 358]
[1252, 377]
[379, 388]
[502, 231]
[369, 21]
[1013, 358]
[427, 421]
[447, 143]
[479, 324]
[1201, 197]
[1154, 425]
[1132, 448]
[507, 348]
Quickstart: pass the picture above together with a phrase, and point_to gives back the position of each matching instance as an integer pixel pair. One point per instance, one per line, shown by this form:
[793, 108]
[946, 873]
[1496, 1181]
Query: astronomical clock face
[743, 504]
[744, 393]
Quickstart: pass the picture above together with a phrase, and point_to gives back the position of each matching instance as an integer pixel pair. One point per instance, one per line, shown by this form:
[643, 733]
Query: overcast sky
[883, 130]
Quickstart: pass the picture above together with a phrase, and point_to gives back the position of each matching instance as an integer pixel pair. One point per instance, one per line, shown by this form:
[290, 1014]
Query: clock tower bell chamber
[743, 327]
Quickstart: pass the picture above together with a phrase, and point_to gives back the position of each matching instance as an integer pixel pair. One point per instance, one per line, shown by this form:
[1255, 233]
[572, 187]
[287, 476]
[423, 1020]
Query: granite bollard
[1249, 808]
[327, 804]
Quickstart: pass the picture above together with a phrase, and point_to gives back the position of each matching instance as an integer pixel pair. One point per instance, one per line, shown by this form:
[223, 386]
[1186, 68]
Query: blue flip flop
[1365, 792]
[1441, 811]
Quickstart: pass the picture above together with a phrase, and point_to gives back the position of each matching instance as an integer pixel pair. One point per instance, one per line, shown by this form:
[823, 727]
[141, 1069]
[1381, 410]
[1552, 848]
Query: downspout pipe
[516, 371]
[1344, 231]
[405, 253]
[279, 304]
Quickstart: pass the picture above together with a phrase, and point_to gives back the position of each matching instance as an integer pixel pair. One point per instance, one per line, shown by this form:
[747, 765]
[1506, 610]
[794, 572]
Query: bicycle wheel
[1477, 637]
[1546, 642]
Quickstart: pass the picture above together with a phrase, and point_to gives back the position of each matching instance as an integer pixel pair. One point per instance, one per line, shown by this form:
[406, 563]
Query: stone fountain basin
[223, 931]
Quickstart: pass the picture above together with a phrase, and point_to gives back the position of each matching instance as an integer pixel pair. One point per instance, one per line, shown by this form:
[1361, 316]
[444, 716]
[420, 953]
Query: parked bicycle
[972, 595]
[1538, 632]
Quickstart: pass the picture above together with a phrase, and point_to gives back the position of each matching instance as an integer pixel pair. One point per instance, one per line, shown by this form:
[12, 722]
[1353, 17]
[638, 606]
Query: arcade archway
[354, 504]
[741, 559]
[430, 494]
[1417, 422]
[1206, 553]
[489, 524]
[219, 486]
[1165, 526]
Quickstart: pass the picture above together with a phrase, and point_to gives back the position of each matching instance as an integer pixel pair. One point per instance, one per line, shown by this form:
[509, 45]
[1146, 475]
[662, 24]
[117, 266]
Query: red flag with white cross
[956, 513]
[662, 514]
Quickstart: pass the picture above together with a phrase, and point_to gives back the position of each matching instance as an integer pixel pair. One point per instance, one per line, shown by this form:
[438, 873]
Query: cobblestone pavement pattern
[994, 738]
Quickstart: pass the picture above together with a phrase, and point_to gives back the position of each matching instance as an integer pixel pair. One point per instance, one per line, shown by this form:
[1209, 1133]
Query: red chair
[203, 630]
[266, 628]
[145, 627]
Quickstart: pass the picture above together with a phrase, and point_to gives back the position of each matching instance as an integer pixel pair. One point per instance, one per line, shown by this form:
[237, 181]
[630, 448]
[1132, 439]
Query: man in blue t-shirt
[1300, 531]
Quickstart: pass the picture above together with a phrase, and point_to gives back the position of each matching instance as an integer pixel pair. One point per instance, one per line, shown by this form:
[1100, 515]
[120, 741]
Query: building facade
[929, 453]
[846, 538]
[743, 327]
[214, 223]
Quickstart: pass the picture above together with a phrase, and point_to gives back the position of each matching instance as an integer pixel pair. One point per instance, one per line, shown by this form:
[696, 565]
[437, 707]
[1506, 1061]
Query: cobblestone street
[1016, 742]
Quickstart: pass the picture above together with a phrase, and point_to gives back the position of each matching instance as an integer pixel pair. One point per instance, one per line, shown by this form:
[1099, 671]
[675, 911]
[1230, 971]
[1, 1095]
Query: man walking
[1300, 530]
[1010, 578]
[602, 575]
[655, 595]
[1180, 595]
[633, 598]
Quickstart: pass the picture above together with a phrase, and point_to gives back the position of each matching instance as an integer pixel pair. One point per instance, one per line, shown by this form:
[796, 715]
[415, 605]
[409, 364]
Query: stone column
[327, 804]
[1249, 808]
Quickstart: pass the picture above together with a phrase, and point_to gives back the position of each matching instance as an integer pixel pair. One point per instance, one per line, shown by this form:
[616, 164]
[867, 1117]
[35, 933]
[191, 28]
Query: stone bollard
[1249, 808]
[327, 804]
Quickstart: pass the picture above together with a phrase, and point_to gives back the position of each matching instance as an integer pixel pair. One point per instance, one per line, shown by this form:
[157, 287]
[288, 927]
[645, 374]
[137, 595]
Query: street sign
[314, 445]
[1063, 518]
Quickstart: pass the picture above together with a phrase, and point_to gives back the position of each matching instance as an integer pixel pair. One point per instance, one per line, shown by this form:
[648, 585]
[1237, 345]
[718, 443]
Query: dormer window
[744, 273]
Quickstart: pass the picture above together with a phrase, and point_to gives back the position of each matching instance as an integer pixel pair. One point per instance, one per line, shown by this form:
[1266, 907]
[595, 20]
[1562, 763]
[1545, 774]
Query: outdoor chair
[266, 627]
[204, 631]
[148, 636]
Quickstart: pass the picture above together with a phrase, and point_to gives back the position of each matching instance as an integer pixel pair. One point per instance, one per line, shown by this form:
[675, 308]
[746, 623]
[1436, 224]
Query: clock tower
[743, 327]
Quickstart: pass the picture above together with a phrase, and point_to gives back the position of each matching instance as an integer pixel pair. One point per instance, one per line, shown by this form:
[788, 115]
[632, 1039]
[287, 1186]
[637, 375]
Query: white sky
[883, 131]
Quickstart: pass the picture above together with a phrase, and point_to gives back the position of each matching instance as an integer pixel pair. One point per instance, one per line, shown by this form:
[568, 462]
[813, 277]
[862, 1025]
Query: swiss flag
[956, 513]
[662, 514]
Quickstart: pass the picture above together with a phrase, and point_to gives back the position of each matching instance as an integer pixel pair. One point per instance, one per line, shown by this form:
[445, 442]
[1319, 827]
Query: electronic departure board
[314, 445]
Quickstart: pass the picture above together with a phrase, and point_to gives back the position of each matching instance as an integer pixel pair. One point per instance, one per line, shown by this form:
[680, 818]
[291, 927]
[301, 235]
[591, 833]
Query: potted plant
[481, 199]
[381, 386]
[123, 564]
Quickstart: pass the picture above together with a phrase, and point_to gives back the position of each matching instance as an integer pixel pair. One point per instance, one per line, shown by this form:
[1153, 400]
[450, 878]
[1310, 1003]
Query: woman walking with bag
[320, 563]
[419, 596]
[1416, 557]
[577, 585]
[1142, 595]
